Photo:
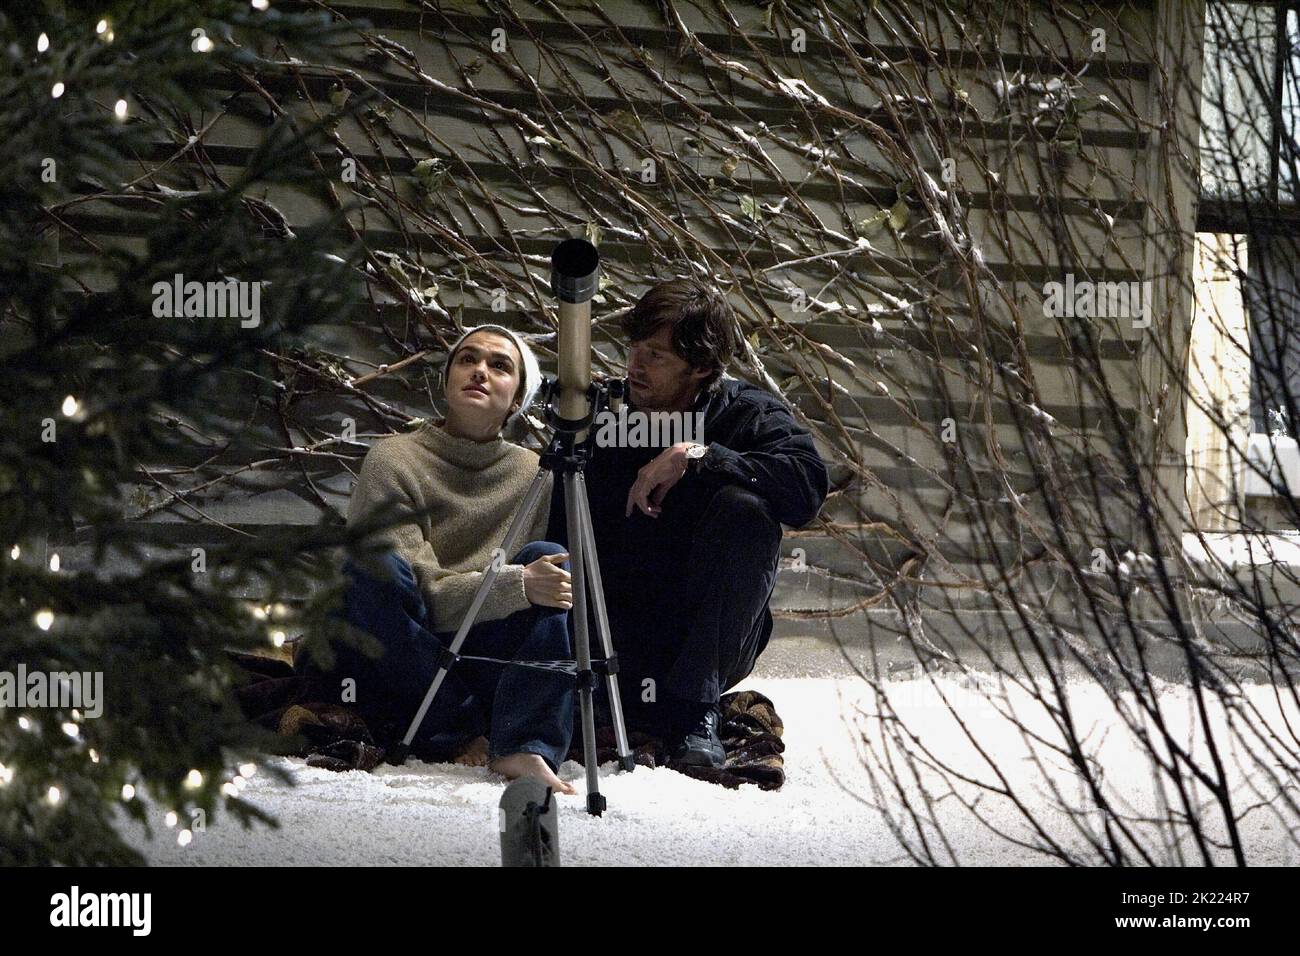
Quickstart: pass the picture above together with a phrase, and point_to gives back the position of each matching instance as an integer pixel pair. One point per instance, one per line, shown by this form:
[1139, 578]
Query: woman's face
[483, 380]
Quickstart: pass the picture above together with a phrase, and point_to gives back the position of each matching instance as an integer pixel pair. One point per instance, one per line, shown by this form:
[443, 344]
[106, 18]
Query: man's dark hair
[704, 330]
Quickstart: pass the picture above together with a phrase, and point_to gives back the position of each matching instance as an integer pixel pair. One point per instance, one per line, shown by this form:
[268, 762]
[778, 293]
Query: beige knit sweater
[456, 498]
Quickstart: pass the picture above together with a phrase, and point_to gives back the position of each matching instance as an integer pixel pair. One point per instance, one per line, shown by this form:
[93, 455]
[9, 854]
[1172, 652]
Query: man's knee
[734, 510]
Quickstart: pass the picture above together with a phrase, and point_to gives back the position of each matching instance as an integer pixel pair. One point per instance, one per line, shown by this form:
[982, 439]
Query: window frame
[1267, 214]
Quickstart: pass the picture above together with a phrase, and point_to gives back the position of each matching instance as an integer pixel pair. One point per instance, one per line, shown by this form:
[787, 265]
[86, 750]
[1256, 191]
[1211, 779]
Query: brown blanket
[336, 737]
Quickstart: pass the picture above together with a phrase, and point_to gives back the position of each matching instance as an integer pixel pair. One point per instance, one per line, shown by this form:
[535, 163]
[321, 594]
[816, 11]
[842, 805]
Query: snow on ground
[441, 814]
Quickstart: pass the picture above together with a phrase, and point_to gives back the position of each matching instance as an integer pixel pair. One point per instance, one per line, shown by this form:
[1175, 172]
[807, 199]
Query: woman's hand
[548, 584]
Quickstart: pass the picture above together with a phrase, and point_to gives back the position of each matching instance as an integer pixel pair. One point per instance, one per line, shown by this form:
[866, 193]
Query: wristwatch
[695, 453]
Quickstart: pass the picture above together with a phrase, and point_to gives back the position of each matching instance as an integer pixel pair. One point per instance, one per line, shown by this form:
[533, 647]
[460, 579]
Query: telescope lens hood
[575, 270]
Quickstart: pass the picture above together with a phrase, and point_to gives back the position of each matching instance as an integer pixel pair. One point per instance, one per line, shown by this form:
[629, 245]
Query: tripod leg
[592, 564]
[489, 575]
[582, 649]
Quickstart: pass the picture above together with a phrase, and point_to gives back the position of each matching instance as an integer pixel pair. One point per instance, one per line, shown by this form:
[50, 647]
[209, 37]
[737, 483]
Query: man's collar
[703, 398]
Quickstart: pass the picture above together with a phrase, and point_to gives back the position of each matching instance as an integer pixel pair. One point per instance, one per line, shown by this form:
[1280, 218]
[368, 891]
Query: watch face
[696, 451]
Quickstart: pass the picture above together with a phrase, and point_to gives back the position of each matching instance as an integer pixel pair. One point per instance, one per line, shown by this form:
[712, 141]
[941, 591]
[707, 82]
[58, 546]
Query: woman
[453, 487]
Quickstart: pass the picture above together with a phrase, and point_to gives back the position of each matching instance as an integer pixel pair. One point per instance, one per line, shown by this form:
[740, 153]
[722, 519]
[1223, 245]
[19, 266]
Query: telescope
[573, 403]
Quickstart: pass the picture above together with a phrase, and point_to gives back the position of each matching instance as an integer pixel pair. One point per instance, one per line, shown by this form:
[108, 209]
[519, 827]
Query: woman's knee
[385, 567]
[379, 584]
[536, 549]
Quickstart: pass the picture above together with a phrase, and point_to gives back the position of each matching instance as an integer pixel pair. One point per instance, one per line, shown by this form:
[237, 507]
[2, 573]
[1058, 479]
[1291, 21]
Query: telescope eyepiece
[575, 270]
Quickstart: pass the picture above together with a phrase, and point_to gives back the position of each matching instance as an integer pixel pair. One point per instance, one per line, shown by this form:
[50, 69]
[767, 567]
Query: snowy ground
[825, 814]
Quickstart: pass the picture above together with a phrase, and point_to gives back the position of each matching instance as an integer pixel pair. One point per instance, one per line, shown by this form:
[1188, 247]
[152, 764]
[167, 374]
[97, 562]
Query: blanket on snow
[336, 737]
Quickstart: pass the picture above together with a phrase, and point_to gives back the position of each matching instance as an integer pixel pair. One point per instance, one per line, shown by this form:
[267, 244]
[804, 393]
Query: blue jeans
[519, 709]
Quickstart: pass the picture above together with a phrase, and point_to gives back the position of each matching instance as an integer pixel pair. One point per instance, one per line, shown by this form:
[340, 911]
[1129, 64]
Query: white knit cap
[531, 372]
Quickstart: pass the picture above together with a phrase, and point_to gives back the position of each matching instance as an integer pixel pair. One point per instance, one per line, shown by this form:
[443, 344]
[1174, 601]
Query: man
[689, 536]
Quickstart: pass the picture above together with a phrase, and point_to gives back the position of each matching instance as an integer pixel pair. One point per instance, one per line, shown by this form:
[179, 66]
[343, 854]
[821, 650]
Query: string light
[44, 619]
[69, 406]
[53, 796]
[42, 43]
[94, 755]
[120, 109]
[72, 730]
[202, 44]
[184, 837]
[230, 790]
[193, 780]
[54, 561]
[24, 723]
[6, 774]
[128, 792]
[101, 27]
[247, 769]
[171, 818]
[240, 783]
[57, 90]
[260, 4]
[14, 552]
[277, 638]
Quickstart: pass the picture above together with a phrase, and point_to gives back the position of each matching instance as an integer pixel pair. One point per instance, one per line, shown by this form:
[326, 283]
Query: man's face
[658, 378]
[484, 379]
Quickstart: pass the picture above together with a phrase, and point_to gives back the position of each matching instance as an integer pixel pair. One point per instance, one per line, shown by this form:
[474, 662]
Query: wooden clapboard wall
[823, 261]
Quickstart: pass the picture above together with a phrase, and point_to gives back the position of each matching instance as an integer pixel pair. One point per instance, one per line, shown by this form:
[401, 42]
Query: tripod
[565, 458]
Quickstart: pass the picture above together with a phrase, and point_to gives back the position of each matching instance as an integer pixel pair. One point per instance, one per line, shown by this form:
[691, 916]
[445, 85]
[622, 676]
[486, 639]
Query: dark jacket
[753, 442]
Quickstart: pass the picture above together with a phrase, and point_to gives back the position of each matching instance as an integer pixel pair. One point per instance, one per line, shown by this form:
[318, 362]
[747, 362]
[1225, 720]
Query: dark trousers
[519, 709]
[688, 601]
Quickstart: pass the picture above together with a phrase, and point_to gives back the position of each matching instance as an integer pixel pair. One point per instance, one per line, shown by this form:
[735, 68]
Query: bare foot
[529, 765]
[475, 753]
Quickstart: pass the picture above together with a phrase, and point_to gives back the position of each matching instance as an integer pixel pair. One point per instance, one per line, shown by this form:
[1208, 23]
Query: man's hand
[656, 479]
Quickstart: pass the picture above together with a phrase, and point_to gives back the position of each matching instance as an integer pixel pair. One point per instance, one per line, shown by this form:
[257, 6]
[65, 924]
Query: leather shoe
[700, 745]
